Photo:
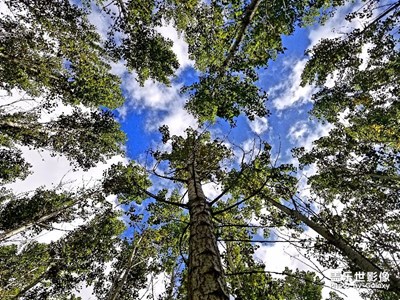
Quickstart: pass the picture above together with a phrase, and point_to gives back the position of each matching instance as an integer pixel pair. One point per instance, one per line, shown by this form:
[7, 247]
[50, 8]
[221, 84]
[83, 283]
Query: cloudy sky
[148, 107]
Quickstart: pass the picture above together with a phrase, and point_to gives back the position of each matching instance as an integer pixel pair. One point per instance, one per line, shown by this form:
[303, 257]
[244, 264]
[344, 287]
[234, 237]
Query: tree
[357, 183]
[60, 266]
[63, 60]
[229, 41]
[52, 52]
[337, 234]
[33, 212]
[52, 57]
[193, 161]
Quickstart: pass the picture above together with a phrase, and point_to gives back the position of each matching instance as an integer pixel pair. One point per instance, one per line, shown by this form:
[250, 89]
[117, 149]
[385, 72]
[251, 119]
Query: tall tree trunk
[355, 256]
[206, 276]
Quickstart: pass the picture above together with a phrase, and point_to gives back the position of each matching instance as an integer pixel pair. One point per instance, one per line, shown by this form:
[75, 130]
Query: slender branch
[365, 263]
[121, 279]
[233, 183]
[183, 196]
[122, 7]
[25, 289]
[313, 266]
[258, 241]
[107, 5]
[46, 226]
[382, 15]
[20, 100]
[181, 242]
[244, 226]
[159, 199]
[241, 201]
[168, 177]
[282, 273]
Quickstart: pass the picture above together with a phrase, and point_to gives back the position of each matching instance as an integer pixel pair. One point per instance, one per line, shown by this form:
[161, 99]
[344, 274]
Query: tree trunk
[355, 256]
[206, 277]
[25, 289]
[121, 279]
[11, 232]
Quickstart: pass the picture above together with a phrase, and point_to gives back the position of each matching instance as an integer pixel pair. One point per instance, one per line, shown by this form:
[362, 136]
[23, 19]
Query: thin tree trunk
[248, 16]
[355, 256]
[206, 275]
[120, 280]
[24, 290]
[170, 289]
[11, 232]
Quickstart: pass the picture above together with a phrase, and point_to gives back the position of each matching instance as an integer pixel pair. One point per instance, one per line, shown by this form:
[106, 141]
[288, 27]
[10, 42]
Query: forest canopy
[235, 149]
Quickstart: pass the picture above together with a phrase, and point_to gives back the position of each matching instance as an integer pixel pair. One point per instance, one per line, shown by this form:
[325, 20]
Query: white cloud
[334, 27]
[212, 190]
[118, 68]
[289, 92]
[337, 26]
[49, 172]
[177, 120]
[101, 21]
[156, 284]
[302, 133]
[274, 257]
[259, 125]
[298, 131]
[4, 8]
[152, 95]
[86, 292]
[180, 47]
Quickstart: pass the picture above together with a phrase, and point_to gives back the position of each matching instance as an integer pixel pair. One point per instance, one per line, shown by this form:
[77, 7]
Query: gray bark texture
[206, 276]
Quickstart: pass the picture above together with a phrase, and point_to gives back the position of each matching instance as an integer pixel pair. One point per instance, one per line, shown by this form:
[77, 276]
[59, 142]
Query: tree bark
[248, 16]
[206, 276]
[355, 256]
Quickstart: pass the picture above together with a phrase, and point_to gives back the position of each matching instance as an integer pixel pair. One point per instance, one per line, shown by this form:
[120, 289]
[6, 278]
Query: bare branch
[241, 201]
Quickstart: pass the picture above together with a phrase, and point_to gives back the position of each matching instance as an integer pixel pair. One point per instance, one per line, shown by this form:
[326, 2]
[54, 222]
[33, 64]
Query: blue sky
[146, 108]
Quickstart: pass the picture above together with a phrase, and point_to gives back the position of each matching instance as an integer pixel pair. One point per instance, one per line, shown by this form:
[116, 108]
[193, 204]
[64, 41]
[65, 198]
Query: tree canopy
[151, 220]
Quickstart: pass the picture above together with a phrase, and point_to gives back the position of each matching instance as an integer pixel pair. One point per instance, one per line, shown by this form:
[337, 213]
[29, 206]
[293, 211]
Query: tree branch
[244, 226]
[250, 272]
[246, 20]
[159, 199]
[241, 201]
[258, 241]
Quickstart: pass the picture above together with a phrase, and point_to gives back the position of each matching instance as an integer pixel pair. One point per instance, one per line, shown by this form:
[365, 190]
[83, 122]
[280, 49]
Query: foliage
[50, 50]
[57, 268]
[230, 40]
[357, 183]
[51, 58]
